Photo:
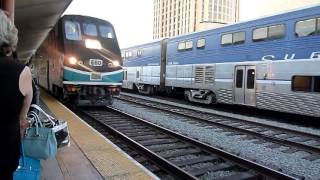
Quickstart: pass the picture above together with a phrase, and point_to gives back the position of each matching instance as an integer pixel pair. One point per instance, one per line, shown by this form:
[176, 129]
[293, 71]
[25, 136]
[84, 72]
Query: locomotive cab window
[307, 27]
[72, 30]
[90, 29]
[106, 32]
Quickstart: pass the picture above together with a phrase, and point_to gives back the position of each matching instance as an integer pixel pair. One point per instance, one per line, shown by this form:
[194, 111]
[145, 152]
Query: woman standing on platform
[15, 99]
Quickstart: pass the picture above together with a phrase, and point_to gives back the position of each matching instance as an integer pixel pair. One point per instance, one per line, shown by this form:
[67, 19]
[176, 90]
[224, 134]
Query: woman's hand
[23, 126]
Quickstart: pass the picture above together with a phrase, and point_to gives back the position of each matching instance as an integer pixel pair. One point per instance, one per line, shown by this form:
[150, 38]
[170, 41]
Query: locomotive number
[95, 62]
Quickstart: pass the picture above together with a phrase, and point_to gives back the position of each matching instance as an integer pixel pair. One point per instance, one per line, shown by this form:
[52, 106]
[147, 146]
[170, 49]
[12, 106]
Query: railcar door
[244, 85]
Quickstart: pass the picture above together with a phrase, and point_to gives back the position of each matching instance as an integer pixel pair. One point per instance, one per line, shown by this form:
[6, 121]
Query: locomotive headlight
[115, 63]
[73, 60]
[93, 44]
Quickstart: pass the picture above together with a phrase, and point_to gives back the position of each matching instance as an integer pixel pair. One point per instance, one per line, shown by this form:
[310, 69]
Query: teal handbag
[39, 142]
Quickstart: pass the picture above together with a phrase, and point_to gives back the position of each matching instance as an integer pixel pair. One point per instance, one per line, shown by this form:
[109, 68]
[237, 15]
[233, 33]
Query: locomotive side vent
[199, 74]
[209, 75]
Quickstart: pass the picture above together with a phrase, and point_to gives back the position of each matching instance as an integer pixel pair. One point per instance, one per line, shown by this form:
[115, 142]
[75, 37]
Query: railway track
[294, 140]
[181, 156]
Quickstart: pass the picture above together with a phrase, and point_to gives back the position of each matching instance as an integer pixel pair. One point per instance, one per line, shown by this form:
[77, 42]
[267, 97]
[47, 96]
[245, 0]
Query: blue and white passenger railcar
[269, 63]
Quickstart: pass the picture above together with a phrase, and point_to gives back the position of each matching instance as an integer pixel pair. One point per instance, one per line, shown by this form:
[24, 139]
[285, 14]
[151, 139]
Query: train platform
[90, 155]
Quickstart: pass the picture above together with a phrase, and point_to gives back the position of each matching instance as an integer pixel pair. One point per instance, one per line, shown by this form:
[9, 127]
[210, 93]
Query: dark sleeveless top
[11, 101]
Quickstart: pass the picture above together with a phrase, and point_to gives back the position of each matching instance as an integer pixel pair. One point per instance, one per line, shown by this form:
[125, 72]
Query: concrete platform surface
[91, 155]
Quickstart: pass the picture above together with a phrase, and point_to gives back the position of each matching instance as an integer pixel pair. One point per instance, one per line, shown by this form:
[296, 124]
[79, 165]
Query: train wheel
[187, 95]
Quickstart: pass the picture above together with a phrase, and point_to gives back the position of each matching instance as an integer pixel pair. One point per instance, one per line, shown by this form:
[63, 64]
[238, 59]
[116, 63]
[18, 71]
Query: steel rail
[264, 170]
[300, 146]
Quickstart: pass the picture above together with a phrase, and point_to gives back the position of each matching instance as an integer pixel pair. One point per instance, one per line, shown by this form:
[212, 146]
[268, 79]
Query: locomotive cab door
[244, 91]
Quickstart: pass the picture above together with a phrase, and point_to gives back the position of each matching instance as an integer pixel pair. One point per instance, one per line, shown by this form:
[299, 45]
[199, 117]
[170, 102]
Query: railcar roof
[261, 20]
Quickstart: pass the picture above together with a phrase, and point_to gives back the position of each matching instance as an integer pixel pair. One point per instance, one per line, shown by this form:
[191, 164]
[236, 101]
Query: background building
[252, 9]
[176, 17]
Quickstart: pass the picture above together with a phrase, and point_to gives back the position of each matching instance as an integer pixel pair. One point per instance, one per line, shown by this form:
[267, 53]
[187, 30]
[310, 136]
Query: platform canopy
[34, 19]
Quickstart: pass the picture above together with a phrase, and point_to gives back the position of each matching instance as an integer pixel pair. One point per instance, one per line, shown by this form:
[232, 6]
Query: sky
[133, 19]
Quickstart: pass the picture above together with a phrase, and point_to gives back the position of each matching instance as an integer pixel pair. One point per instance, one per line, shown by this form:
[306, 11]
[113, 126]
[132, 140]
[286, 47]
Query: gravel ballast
[274, 158]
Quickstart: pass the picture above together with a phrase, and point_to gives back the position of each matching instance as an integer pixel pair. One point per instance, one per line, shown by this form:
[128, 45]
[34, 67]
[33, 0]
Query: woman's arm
[25, 86]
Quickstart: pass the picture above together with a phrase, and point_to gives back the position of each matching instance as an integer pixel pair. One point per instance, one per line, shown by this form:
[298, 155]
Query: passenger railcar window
[250, 78]
[201, 43]
[302, 83]
[260, 34]
[72, 30]
[276, 32]
[226, 39]
[306, 27]
[239, 37]
[106, 32]
[317, 84]
[239, 79]
[139, 53]
[90, 29]
[189, 45]
[318, 26]
[181, 46]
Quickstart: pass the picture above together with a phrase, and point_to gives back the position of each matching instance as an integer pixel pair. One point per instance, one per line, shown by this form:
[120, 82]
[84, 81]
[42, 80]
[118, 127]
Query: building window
[201, 43]
[234, 38]
[307, 27]
[268, 33]
[306, 83]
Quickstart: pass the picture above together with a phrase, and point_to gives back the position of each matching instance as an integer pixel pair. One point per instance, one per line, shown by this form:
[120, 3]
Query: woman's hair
[8, 33]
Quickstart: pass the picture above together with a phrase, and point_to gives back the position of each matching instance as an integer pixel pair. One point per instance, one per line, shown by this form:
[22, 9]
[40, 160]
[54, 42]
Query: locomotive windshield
[106, 32]
[90, 29]
[72, 30]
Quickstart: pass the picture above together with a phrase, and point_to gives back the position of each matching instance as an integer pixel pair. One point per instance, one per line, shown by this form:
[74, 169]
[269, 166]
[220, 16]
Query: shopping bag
[62, 133]
[59, 127]
[39, 142]
[28, 169]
